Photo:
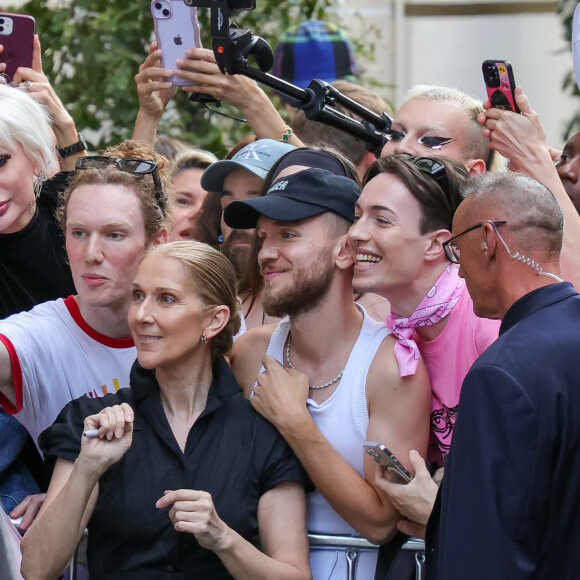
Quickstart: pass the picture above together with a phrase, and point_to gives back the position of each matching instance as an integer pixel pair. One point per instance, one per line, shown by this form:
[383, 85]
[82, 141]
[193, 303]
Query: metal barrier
[73, 566]
[354, 545]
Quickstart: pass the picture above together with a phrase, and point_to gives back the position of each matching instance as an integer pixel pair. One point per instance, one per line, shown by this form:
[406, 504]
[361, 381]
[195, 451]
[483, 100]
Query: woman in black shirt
[184, 480]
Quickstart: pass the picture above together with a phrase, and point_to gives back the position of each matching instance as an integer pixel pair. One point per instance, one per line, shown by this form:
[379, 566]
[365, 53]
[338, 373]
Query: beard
[239, 256]
[310, 287]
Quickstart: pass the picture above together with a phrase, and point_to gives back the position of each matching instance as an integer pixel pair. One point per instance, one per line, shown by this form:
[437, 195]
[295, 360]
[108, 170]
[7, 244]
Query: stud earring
[484, 246]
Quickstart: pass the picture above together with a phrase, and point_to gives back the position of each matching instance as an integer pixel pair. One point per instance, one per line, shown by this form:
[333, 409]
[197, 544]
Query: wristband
[77, 147]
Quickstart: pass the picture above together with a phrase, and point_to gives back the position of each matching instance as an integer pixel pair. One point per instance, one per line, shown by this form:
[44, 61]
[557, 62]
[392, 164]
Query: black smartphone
[385, 458]
[500, 84]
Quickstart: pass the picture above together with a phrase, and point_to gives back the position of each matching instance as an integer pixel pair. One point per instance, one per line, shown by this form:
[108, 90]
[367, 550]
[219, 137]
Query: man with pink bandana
[402, 219]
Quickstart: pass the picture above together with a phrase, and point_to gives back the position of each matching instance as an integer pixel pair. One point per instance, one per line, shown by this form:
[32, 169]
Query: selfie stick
[232, 45]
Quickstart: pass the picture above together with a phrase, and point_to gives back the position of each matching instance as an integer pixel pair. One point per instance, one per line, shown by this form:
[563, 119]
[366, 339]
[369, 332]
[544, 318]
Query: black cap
[304, 194]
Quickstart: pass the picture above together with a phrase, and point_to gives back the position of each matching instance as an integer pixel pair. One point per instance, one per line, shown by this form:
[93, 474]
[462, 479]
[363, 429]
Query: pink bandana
[438, 303]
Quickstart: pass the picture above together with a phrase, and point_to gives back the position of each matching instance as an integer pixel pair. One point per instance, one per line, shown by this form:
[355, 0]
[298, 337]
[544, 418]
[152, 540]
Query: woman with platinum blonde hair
[32, 259]
[177, 472]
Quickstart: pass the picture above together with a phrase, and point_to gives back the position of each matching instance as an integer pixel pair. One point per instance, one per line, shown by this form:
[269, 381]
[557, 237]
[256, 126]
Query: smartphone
[176, 30]
[499, 82]
[385, 458]
[17, 38]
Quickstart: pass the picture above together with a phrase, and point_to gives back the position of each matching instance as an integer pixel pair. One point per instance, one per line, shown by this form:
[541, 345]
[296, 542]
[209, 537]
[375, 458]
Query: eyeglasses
[426, 139]
[452, 251]
[128, 165]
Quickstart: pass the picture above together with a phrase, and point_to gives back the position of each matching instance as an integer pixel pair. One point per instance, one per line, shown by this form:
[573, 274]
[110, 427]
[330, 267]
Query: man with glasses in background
[509, 500]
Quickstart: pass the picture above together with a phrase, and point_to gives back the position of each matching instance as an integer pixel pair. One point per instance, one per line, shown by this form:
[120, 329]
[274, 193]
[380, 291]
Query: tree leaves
[92, 49]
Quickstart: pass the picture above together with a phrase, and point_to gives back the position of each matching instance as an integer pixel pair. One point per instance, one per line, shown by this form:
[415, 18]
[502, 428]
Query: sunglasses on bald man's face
[128, 165]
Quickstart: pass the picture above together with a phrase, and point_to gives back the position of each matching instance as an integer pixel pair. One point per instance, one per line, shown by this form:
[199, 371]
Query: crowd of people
[194, 352]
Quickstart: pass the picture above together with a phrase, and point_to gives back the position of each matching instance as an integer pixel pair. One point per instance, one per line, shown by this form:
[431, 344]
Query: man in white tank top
[339, 385]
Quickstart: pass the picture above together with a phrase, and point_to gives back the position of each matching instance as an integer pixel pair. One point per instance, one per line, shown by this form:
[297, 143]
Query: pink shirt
[448, 358]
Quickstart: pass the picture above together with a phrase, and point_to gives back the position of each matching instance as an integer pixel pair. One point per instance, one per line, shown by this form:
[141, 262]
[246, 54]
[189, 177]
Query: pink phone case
[176, 30]
[17, 38]
[500, 92]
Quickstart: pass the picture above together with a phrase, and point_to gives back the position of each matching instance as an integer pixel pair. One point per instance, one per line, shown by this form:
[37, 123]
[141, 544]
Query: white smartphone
[176, 30]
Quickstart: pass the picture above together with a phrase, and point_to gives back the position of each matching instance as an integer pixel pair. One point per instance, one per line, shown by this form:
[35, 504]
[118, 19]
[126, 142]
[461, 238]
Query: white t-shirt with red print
[57, 357]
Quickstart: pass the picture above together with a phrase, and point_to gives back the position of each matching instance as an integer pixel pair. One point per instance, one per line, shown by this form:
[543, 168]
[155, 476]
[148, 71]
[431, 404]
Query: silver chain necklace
[337, 378]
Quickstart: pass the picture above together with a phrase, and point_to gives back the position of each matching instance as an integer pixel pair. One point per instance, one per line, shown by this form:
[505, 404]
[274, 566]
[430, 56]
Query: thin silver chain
[337, 378]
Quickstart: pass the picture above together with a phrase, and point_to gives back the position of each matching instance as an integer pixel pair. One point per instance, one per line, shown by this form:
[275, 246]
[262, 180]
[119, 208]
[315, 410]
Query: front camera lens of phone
[166, 12]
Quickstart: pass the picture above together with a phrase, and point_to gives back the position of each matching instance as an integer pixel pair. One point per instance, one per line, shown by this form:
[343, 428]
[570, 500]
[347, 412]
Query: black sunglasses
[128, 165]
[432, 167]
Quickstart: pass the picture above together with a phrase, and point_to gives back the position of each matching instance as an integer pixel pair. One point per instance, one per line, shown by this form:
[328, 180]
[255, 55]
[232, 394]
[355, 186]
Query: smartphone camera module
[492, 75]
[162, 9]
[6, 26]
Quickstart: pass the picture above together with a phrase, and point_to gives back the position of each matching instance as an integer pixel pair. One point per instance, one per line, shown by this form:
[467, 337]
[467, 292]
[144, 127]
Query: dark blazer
[509, 503]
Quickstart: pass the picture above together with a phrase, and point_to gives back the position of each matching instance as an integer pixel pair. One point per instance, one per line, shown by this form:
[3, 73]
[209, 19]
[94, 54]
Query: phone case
[385, 458]
[500, 84]
[176, 30]
[17, 38]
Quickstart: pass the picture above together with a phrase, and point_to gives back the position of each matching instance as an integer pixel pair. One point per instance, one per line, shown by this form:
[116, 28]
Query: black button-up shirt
[231, 452]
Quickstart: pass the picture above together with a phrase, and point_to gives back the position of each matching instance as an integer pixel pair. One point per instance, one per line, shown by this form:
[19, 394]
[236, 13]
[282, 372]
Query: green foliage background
[92, 49]
[566, 11]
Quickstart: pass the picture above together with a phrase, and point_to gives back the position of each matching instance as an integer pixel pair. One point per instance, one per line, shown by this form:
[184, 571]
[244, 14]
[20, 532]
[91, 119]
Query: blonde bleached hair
[478, 145]
[26, 123]
[214, 279]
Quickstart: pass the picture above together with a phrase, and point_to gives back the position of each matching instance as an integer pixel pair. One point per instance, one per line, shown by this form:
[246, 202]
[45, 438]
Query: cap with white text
[304, 194]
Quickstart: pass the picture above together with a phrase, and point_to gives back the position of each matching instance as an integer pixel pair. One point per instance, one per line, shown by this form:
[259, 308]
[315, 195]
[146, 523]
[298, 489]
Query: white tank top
[343, 419]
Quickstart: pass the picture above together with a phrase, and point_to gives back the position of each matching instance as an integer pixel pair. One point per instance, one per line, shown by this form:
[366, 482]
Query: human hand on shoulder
[193, 512]
[114, 427]
[280, 395]
[413, 500]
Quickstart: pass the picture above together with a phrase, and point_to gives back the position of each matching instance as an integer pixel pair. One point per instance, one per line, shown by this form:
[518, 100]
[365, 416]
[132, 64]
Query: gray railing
[354, 545]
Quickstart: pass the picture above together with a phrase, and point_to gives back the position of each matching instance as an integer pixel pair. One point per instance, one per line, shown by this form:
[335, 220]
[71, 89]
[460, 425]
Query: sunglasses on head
[128, 165]
[432, 167]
